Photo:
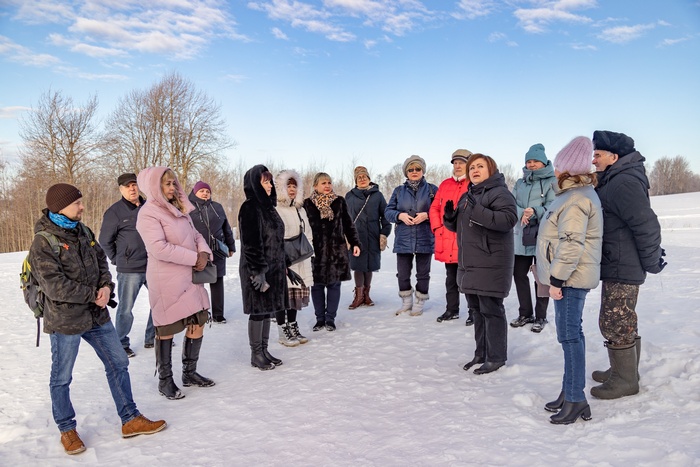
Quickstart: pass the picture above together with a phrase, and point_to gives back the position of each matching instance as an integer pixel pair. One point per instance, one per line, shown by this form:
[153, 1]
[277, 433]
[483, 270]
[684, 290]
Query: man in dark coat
[77, 286]
[124, 248]
[210, 220]
[631, 248]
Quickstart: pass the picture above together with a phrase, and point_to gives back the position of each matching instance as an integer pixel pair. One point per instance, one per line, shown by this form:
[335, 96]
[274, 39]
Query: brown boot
[359, 298]
[71, 442]
[142, 426]
[368, 301]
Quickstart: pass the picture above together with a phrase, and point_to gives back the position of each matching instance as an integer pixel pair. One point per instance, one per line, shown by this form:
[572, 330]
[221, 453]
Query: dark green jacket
[70, 280]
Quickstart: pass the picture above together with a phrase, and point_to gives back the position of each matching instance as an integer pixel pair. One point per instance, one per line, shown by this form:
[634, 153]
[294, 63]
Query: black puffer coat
[262, 247]
[631, 231]
[330, 262]
[209, 216]
[485, 238]
[119, 238]
[71, 280]
[370, 224]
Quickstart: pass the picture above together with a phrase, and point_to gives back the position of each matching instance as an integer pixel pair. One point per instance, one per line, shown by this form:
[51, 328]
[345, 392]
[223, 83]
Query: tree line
[170, 124]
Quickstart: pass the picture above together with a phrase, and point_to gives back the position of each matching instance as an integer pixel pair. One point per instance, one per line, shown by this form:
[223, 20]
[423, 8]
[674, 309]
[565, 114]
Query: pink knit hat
[576, 157]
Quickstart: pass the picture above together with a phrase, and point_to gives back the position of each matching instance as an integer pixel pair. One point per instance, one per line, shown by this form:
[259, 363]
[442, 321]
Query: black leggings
[287, 316]
[362, 279]
[259, 317]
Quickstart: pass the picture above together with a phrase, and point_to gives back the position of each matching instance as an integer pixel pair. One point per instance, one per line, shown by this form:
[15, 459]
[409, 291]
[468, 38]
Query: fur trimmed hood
[281, 181]
[254, 190]
[148, 181]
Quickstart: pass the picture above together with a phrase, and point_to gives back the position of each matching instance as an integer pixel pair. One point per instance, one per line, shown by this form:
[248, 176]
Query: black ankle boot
[166, 385]
[257, 359]
[488, 367]
[555, 405]
[475, 361]
[570, 412]
[265, 339]
[190, 357]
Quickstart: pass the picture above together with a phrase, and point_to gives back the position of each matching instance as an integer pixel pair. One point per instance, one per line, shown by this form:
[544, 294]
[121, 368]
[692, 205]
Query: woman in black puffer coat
[484, 221]
[210, 220]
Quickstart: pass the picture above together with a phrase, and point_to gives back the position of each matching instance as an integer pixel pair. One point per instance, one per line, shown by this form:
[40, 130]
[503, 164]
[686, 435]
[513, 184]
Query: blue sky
[330, 83]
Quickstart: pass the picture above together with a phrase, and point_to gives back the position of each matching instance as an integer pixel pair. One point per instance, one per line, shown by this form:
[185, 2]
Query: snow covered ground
[382, 390]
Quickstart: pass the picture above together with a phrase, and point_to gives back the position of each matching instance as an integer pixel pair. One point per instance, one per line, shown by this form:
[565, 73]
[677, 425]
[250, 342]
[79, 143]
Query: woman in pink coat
[174, 248]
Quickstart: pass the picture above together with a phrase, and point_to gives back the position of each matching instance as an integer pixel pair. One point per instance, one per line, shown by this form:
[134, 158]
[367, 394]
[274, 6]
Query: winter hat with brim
[413, 160]
[359, 170]
[461, 155]
[60, 195]
[617, 143]
[199, 185]
[125, 179]
[536, 152]
[575, 157]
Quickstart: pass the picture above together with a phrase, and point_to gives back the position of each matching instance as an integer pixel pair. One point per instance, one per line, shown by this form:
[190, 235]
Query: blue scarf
[62, 221]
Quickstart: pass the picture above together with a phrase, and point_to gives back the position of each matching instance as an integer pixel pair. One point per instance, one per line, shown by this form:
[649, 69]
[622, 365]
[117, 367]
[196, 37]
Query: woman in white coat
[290, 200]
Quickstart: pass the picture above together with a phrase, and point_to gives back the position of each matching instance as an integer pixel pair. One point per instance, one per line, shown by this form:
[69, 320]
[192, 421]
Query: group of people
[569, 226]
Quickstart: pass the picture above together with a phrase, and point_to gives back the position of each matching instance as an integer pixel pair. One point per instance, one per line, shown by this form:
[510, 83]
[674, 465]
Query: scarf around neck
[62, 221]
[323, 203]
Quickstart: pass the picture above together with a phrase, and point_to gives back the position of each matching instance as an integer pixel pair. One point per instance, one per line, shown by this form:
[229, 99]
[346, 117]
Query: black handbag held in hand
[298, 248]
[206, 276]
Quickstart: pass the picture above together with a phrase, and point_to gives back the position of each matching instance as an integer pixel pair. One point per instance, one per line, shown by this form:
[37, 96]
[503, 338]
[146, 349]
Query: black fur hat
[617, 143]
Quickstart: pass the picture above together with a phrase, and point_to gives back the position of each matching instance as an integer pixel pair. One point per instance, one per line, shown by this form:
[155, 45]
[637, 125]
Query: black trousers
[452, 295]
[490, 327]
[404, 266]
[522, 287]
[217, 298]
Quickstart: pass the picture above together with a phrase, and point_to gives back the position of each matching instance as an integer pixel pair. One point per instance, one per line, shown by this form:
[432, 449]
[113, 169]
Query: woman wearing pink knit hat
[569, 246]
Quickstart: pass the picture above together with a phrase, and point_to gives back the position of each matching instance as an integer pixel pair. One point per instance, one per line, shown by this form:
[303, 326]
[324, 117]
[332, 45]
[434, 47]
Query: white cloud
[471, 9]
[12, 111]
[624, 34]
[84, 49]
[501, 37]
[277, 32]
[583, 47]
[236, 78]
[20, 54]
[536, 20]
[671, 42]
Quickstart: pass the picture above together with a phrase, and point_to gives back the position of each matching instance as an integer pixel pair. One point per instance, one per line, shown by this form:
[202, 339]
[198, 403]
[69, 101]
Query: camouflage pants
[618, 320]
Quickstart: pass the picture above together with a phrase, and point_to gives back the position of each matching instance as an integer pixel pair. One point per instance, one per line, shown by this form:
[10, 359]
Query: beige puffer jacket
[570, 239]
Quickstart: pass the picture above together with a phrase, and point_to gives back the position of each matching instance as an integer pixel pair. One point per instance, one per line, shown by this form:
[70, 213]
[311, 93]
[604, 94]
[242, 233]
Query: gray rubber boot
[602, 376]
[623, 374]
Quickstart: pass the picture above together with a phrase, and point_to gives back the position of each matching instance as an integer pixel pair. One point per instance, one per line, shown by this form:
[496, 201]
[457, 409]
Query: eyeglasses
[414, 169]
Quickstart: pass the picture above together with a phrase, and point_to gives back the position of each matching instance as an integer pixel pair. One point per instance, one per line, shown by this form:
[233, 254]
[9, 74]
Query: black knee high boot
[265, 339]
[190, 356]
[257, 358]
[166, 385]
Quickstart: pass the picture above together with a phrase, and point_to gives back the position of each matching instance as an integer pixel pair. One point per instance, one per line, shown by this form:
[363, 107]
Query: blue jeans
[128, 286]
[569, 311]
[326, 306]
[64, 351]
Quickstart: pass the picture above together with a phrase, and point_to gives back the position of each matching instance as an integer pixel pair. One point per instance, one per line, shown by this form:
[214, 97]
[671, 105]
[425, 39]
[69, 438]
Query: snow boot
[257, 359]
[286, 338]
[623, 374]
[190, 357]
[294, 326]
[418, 305]
[368, 301]
[265, 340]
[164, 364]
[359, 299]
[407, 297]
[602, 376]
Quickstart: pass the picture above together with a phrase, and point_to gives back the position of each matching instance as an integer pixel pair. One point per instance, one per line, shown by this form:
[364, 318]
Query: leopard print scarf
[323, 203]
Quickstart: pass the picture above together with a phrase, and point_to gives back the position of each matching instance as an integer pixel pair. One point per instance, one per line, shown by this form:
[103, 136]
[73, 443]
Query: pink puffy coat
[446, 241]
[172, 244]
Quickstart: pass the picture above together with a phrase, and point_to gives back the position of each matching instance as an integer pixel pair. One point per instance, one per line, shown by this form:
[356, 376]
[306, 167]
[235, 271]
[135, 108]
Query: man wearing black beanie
[77, 285]
[631, 248]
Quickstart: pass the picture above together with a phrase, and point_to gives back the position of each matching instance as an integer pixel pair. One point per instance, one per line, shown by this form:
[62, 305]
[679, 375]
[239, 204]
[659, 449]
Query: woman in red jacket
[445, 241]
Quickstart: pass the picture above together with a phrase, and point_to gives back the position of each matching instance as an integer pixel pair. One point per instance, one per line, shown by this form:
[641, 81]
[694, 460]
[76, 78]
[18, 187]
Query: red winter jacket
[446, 241]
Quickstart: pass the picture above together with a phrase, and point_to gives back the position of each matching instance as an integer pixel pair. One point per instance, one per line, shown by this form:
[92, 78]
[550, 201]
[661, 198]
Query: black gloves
[470, 198]
[259, 282]
[295, 278]
[112, 303]
[450, 213]
[662, 263]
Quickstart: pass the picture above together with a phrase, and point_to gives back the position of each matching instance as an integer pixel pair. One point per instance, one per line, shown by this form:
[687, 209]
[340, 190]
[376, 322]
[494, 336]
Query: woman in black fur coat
[332, 227]
[263, 266]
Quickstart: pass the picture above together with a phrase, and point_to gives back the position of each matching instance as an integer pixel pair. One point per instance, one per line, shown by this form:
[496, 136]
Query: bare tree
[172, 124]
[60, 139]
[511, 174]
[672, 175]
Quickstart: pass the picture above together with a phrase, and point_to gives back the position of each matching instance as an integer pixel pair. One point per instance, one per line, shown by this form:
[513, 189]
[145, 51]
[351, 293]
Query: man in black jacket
[124, 247]
[77, 285]
[631, 248]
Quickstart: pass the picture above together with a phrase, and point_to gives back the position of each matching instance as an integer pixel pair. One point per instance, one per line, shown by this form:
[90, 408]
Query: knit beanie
[617, 143]
[199, 185]
[413, 160]
[461, 155]
[60, 195]
[576, 157]
[359, 170]
[536, 152]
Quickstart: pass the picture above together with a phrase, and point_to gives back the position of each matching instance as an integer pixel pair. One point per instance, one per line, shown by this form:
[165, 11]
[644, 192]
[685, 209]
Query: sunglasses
[414, 169]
